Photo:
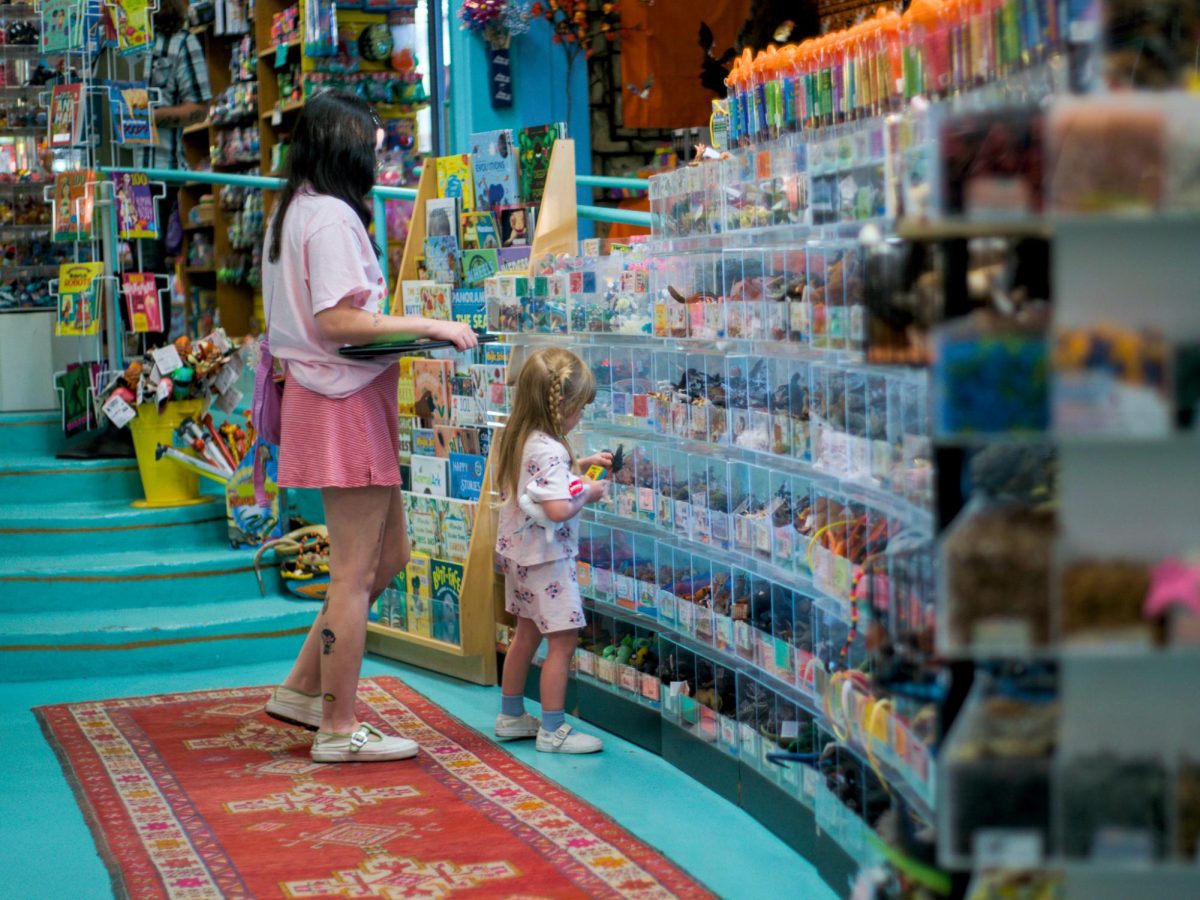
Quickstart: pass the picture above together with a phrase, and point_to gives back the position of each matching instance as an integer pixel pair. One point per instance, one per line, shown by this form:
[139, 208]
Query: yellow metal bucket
[165, 483]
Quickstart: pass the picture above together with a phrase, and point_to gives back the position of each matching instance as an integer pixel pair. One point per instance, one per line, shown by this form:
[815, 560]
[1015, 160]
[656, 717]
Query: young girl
[322, 289]
[535, 460]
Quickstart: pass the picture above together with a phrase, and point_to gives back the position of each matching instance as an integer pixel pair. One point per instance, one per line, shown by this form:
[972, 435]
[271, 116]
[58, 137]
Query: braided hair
[552, 386]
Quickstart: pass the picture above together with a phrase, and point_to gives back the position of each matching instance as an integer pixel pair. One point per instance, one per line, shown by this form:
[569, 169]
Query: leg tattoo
[329, 698]
[328, 638]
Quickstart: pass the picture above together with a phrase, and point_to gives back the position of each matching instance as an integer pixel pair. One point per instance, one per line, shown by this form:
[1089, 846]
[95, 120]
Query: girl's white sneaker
[514, 728]
[567, 740]
[365, 744]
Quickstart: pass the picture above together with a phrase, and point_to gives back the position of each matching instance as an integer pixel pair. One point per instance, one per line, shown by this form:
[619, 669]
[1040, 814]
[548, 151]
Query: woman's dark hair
[332, 150]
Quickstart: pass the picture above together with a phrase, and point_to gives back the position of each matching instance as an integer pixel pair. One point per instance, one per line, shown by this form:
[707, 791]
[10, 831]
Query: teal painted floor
[48, 851]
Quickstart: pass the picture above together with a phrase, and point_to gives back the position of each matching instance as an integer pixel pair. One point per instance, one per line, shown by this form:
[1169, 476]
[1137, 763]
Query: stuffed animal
[534, 510]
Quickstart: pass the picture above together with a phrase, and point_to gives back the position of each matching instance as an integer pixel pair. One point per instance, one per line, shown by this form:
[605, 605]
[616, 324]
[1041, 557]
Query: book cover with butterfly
[66, 115]
[494, 160]
[454, 179]
[142, 301]
[534, 145]
[136, 217]
[435, 301]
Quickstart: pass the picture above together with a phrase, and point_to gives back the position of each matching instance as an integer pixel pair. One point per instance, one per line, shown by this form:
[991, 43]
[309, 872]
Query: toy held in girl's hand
[599, 473]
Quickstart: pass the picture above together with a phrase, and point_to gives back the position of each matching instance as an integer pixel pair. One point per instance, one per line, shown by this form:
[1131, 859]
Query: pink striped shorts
[351, 442]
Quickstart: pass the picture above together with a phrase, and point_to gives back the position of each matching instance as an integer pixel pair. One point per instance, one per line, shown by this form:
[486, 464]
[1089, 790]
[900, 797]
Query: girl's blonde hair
[552, 386]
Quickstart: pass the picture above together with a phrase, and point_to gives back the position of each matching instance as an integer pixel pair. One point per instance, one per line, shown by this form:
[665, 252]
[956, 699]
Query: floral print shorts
[547, 593]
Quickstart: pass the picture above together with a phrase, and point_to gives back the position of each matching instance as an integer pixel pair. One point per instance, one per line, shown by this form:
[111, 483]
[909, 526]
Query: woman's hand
[459, 333]
[603, 459]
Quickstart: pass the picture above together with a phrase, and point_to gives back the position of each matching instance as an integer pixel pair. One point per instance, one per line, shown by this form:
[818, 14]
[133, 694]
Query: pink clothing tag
[325, 256]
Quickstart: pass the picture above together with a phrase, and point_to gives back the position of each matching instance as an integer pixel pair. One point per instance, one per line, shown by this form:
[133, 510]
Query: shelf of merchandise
[1121, 496]
[800, 805]
[235, 306]
[275, 114]
[24, 102]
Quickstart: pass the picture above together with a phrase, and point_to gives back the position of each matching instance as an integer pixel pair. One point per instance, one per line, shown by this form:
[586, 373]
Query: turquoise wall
[540, 86]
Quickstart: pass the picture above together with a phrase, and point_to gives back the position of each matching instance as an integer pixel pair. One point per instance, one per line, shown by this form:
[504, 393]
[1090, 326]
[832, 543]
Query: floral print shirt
[545, 475]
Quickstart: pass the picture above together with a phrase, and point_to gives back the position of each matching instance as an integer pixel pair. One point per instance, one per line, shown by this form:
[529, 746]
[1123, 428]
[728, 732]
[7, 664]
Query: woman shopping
[323, 289]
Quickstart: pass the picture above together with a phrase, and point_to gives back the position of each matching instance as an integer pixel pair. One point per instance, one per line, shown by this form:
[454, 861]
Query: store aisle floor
[47, 850]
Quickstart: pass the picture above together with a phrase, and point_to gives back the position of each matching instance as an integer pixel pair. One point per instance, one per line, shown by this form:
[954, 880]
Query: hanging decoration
[497, 22]
[578, 24]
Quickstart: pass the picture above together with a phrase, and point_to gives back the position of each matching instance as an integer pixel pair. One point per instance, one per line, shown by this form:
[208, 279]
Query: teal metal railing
[380, 194]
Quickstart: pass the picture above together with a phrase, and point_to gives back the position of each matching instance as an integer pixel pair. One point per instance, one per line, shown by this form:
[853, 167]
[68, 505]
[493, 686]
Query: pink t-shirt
[325, 256]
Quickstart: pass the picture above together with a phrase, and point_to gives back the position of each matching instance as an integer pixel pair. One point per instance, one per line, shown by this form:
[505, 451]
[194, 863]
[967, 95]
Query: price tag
[677, 687]
[277, 117]
[1007, 848]
[167, 359]
[281, 52]
[162, 393]
[118, 411]
[225, 379]
[789, 729]
[228, 401]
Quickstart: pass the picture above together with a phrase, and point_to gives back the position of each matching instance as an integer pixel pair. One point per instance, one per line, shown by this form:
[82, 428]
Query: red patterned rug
[203, 795]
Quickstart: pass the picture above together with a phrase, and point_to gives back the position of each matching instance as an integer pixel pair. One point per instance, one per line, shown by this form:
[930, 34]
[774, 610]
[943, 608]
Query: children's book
[424, 524]
[62, 25]
[435, 300]
[514, 259]
[78, 299]
[66, 115]
[74, 198]
[142, 301]
[534, 146]
[442, 216]
[425, 441]
[466, 475]
[478, 266]
[132, 118]
[458, 519]
[442, 259]
[431, 389]
[494, 160]
[516, 226]
[410, 292]
[76, 386]
[136, 217]
[454, 179]
[479, 231]
[452, 439]
[132, 21]
[404, 392]
[419, 593]
[468, 305]
[429, 475]
[447, 578]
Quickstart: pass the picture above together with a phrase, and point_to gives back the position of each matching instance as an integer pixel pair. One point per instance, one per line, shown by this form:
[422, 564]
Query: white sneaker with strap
[295, 708]
[514, 728]
[364, 744]
[567, 740]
